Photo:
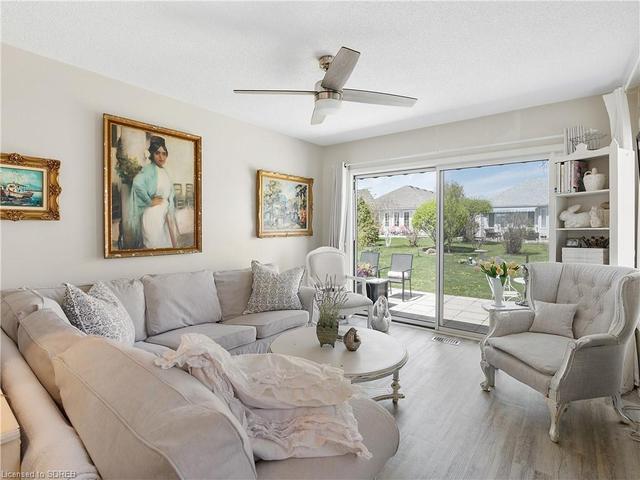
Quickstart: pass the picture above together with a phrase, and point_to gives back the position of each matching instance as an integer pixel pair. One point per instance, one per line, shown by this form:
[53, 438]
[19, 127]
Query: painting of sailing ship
[21, 187]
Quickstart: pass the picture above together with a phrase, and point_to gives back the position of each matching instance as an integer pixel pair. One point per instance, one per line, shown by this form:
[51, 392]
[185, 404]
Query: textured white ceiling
[461, 59]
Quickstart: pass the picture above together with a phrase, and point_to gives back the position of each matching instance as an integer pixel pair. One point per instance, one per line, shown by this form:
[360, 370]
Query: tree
[425, 219]
[455, 213]
[367, 227]
[475, 207]
[459, 214]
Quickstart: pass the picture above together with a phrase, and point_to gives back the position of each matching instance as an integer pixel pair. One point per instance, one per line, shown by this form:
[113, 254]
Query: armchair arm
[362, 281]
[307, 299]
[591, 367]
[596, 340]
[510, 322]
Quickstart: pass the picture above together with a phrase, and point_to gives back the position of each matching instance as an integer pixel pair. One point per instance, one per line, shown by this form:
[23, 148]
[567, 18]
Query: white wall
[518, 125]
[53, 110]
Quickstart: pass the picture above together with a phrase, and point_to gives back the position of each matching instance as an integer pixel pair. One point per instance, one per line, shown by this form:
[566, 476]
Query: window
[492, 220]
[386, 219]
[406, 219]
[396, 219]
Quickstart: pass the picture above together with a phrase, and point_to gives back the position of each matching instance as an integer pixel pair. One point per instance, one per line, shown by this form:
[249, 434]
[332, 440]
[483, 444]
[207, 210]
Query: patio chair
[509, 293]
[400, 271]
[330, 263]
[373, 259]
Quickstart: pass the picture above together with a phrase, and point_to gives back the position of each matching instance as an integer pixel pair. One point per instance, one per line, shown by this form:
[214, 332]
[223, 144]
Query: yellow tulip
[499, 270]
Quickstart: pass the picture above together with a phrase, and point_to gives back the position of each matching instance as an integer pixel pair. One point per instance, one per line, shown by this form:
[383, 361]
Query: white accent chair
[329, 262]
[565, 369]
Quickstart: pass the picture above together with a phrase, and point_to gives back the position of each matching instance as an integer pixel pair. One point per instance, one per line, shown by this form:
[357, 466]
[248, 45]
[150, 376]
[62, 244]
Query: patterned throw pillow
[274, 291]
[98, 312]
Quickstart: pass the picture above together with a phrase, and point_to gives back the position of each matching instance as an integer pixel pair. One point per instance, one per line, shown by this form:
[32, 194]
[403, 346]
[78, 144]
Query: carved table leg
[395, 387]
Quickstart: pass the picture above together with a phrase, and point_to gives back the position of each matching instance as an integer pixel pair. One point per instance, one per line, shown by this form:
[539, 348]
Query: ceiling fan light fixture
[328, 102]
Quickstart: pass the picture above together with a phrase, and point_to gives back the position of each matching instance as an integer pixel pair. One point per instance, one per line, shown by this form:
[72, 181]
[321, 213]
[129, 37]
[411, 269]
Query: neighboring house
[394, 210]
[526, 204]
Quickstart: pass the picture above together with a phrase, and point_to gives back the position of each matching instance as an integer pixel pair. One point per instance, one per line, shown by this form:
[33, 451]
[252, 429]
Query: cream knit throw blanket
[289, 407]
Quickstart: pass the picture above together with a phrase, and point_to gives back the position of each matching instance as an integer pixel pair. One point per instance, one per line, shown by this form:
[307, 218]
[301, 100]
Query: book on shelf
[569, 176]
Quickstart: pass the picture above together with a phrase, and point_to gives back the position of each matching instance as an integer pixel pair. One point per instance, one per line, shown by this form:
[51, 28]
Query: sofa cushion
[179, 300]
[234, 290]
[154, 348]
[274, 291]
[380, 435]
[20, 303]
[131, 295]
[139, 421]
[517, 369]
[227, 336]
[49, 442]
[41, 336]
[554, 318]
[540, 351]
[99, 312]
[270, 323]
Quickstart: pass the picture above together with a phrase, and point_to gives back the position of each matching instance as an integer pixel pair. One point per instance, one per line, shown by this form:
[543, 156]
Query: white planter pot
[498, 291]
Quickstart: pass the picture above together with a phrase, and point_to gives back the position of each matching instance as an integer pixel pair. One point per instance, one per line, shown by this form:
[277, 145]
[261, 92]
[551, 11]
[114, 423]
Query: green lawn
[460, 278]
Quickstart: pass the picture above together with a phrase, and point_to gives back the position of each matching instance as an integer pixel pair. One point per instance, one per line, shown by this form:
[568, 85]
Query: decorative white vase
[498, 291]
[593, 180]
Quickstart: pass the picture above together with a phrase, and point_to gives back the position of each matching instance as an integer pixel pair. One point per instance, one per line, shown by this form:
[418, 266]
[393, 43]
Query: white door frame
[514, 153]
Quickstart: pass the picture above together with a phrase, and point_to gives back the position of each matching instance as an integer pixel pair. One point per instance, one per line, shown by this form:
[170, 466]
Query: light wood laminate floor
[450, 428]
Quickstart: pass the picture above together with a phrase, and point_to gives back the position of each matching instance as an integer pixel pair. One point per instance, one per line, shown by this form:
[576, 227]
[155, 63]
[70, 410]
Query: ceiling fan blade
[317, 117]
[340, 69]
[378, 98]
[276, 92]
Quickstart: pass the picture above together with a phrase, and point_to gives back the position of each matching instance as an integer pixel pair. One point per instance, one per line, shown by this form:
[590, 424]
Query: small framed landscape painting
[29, 188]
[285, 205]
[152, 190]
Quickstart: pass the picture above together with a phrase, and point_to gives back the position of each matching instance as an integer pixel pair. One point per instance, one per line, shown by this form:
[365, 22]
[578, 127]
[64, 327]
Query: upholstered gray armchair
[566, 369]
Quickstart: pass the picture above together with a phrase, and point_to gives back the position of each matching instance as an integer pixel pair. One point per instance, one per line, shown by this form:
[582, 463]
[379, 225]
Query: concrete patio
[456, 308]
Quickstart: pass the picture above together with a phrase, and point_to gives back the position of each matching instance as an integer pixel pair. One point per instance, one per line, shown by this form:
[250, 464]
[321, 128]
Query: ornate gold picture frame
[284, 204]
[152, 190]
[29, 188]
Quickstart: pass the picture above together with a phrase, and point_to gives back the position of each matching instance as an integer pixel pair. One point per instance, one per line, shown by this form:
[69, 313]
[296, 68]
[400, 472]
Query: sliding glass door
[487, 212]
[395, 240]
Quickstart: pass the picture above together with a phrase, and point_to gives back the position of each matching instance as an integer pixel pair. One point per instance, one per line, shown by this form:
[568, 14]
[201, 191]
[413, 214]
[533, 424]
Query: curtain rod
[454, 151]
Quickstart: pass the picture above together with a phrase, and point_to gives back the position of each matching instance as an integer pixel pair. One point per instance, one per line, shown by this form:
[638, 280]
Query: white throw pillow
[274, 291]
[98, 312]
[554, 318]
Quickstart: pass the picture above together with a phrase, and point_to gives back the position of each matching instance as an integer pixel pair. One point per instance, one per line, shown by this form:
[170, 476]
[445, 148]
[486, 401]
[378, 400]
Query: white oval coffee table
[379, 355]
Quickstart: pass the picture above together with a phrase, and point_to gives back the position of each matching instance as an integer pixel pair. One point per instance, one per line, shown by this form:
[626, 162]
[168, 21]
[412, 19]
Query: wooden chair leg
[555, 411]
[618, 405]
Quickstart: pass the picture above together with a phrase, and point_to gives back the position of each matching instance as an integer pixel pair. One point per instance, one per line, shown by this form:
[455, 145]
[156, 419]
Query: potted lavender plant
[329, 298]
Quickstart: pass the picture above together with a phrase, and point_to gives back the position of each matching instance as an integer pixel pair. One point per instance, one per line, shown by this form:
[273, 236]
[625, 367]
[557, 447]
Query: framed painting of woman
[152, 189]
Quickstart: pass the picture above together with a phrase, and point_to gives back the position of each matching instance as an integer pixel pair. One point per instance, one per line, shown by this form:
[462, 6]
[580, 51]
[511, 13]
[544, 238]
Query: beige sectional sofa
[96, 408]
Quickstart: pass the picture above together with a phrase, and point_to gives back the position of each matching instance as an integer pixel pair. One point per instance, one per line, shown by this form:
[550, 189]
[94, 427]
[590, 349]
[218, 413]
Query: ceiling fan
[329, 92]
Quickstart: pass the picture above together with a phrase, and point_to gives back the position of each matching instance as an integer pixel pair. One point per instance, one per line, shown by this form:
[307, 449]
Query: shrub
[513, 238]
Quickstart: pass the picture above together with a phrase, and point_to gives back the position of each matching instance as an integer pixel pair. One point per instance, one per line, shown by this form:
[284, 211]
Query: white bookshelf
[618, 165]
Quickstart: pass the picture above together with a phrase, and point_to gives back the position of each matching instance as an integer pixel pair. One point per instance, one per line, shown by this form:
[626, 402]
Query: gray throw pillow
[274, 291]
[98, 312]
[554, 318]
